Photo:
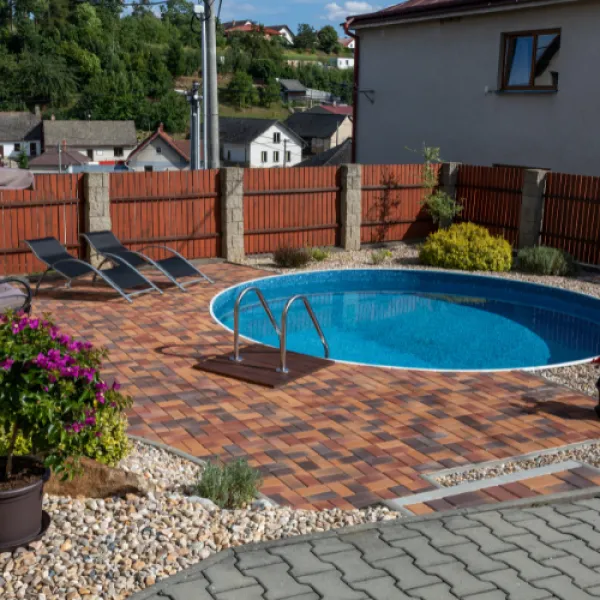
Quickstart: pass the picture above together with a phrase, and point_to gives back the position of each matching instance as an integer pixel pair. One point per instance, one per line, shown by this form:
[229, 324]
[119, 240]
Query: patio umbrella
[16, 179]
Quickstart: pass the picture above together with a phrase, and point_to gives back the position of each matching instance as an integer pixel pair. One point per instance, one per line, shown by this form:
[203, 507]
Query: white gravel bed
[581, 378]
[109, 549]
[163, 470]
[589, 454]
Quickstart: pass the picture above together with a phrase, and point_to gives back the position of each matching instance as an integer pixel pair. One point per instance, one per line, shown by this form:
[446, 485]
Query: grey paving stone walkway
[510, 552]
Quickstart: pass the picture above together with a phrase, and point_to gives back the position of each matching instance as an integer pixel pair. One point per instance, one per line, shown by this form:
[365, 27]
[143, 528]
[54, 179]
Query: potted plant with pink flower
[51, 394]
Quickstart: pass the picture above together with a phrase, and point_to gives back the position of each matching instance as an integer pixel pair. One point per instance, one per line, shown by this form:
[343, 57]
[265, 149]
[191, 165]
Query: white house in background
[349, 43]
[103, 142]
[19, 132]
[487, 81]
[284, 31]
[258, 143]
[160, 152]
[342, 62]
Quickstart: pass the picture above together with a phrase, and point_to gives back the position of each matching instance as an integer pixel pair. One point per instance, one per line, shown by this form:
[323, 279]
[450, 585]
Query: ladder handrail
[236, 319]
[283, 335]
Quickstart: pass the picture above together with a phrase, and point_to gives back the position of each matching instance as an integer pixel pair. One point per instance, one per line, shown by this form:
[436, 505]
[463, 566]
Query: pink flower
[7, 364]
[116, 386]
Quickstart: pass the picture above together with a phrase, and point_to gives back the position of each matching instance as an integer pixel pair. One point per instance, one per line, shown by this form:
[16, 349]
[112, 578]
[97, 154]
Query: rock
[262, 504]
[98, 481]
[205, 502]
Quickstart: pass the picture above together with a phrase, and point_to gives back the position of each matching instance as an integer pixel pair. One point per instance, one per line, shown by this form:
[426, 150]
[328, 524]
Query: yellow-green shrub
[468, 247]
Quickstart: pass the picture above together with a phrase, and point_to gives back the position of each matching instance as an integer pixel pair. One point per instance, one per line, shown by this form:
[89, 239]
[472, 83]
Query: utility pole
[212, 98]
[194, 100]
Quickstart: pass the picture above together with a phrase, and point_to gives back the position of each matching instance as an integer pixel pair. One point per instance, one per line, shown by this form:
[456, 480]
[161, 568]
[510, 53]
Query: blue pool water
[424, 319]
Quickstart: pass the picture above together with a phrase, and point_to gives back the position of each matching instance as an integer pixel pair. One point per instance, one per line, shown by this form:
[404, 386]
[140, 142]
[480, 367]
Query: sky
[317, 13]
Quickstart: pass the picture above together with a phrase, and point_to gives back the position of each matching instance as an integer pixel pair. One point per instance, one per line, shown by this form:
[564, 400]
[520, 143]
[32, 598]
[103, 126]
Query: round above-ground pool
[423, 319]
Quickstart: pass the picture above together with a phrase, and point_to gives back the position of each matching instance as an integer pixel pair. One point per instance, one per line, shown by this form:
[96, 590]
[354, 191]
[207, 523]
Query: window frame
[158, 149]
[288, 156]
[276, 156]
[17, 147]
[90, 153]
[118, 152]
[276, 137]
[504, 75]
[264, 157]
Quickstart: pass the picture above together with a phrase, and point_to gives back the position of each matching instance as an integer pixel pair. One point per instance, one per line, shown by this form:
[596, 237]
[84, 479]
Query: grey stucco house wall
[437, 79]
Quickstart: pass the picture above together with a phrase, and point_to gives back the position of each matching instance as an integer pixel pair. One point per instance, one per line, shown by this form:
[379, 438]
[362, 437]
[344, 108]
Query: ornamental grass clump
[543, 260]
[53, 396]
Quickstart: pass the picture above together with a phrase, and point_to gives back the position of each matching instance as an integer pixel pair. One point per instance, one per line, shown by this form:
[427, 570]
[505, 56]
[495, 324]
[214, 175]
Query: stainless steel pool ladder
[281, 333]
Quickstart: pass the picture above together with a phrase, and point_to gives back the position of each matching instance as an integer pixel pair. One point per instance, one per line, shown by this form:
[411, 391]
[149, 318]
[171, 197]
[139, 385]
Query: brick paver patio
[343, 437]
[521, 553]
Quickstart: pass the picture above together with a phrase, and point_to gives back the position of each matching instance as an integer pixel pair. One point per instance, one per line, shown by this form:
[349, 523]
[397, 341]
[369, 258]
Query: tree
[23, 161]
[175, 58]
[270, 94]
[328, 39]
[306, 38]
[241, 91]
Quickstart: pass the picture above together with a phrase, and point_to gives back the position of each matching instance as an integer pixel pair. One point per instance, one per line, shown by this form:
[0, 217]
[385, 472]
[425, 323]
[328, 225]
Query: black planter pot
[21, 517]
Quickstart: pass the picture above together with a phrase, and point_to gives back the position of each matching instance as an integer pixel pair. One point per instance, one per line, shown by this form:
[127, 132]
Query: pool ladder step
[281, 332]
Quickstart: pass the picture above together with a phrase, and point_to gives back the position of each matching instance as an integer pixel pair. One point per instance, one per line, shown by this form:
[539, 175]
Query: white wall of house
[105, 153]
[14, 149]
[275, 151]
[158, 156]
[342, 62]
[286, 35]
[344, 131]
[235, 153]
[429, 82]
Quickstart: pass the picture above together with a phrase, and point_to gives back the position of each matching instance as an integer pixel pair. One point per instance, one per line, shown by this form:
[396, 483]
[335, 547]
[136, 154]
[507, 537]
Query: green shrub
[319, 254]
[543, 260]
[380, 256]
[232, 485]
[468, 247]
[291, 258]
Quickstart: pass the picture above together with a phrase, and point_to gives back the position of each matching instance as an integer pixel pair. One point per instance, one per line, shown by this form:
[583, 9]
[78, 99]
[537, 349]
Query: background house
[292, 90]
[338, 155]
[103, 142]
[320, 131]
[285, 32]
[258, 143]
[53, 161]
[342, 62]
[348, 42]
[160, 152]
[489, 82]
[19, 132]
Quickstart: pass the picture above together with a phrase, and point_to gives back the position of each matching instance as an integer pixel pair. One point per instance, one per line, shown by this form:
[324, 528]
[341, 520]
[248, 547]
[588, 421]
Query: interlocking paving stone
[438, 535]
[371, 545]
[329, 586]
[570, 565]
[536, 549]
[590, 558]
[226, 576]
[587, 516]
[353, 566]
[562, 587]
[422, 551]
[302, 559]
[389, 534]
[260, 558]
[495, 595]
[277, 582]
[516, 588]
[498, 524]
[329, 546]
[475, 561]
[247, 593]
[586, 533]
[382, 588]
[546, 534]
[487, 542]
[439, 591]
[407, 574]
[528, 569]
[458, 522]
[190, 590]
[461, 582]
[553, 518]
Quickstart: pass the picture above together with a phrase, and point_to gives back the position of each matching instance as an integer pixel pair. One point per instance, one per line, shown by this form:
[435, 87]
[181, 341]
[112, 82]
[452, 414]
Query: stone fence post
[532, 207]
[96, 193]
[232, 213]
[351, 184]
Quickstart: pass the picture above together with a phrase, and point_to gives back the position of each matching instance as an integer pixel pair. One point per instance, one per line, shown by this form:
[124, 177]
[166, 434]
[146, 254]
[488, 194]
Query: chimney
[37, 112]
[53, 118]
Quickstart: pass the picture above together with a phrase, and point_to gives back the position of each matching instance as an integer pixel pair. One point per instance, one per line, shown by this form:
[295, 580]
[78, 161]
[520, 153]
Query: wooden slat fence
[491, 196]
[291, 207]
[392, 210]
[180, 209]
[53, 209]
[572, 216]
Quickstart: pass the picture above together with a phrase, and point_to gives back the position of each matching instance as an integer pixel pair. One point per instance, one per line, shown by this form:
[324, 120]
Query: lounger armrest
[118, 260]
[26, 287]
[163, 248]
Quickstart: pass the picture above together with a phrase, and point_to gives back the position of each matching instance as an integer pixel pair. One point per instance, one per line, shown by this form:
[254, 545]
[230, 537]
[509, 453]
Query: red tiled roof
[418, 8]
[338, 110]
[257, 28]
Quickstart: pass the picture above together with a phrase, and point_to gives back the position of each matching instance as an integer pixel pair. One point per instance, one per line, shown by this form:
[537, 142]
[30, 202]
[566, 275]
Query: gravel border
[581, 378]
